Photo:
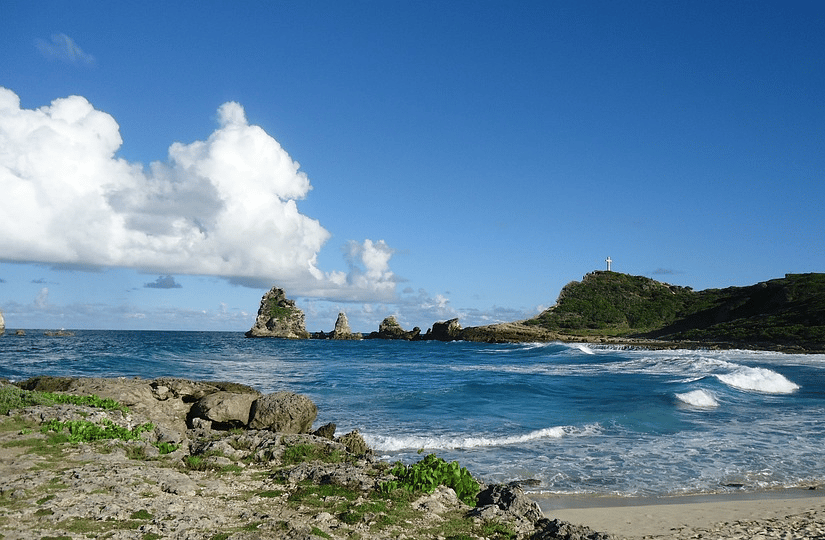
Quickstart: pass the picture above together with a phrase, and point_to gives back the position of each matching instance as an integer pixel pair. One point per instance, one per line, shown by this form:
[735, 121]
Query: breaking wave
[758, 380]
[397, 443]
[701, 399]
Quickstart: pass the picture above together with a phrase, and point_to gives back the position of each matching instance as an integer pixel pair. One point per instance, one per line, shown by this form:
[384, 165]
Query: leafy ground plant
[86, 431]
[431, 472]
[12, 397]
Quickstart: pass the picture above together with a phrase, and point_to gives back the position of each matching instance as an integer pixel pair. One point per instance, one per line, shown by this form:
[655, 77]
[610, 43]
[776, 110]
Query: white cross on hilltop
[608, 260]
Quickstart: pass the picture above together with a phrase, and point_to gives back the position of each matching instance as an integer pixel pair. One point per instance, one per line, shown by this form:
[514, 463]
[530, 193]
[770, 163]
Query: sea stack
[2, 324]
[279, 317]
[342, 329]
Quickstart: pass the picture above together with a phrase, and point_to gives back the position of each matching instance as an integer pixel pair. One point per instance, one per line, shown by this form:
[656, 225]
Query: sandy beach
[792, 514]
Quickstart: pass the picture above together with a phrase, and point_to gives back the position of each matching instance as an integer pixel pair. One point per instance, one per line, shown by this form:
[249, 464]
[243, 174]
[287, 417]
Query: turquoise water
[578, 419]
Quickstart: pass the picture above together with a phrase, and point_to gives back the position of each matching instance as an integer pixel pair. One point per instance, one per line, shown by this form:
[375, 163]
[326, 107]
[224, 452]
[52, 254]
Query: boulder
[285, 412]
[279, 317]
[224, 409]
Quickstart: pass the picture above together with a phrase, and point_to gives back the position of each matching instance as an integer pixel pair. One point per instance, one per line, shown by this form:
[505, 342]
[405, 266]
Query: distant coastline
[610, 308]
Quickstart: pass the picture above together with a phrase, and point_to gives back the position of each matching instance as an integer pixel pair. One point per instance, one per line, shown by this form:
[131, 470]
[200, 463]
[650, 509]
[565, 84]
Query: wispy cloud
[164, 282]
[63, 48]
[665, 272]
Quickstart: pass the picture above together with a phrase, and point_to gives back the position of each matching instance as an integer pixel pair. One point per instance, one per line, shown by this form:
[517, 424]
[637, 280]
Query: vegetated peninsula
[784, 314]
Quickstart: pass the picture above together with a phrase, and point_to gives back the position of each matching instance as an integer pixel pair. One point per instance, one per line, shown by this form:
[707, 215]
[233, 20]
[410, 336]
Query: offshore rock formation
[2, 324]
[341, 330]
[390, 329]
[279, 317]
[444, 331]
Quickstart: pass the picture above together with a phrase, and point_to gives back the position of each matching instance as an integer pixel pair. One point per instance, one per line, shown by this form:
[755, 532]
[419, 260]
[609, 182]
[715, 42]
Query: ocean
[573, 418]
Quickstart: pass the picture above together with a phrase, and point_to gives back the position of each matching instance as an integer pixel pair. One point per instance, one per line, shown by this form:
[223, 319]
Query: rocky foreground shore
[192, 460]
[195, 460]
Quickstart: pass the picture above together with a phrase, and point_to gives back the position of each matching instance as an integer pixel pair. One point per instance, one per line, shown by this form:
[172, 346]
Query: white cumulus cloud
[224, 206]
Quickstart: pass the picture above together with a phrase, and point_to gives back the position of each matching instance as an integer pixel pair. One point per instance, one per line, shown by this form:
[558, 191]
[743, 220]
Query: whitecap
[582, 348]
[396, 443]
[758, 380]
[698, 398]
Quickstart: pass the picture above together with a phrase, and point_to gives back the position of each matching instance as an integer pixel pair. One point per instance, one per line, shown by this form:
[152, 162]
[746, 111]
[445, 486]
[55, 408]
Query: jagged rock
[390, 329]
[279, 317]
[507, 503]
[342, 329]
[556, 529]
[445, 331]
[508, 498]
[224, 409]
[342, 325]
[285, 412]
[355, 443]
[327, 431]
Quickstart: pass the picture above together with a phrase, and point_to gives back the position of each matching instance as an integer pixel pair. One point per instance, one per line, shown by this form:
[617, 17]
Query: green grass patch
[300, 453]
[141, 514]
[318, 532]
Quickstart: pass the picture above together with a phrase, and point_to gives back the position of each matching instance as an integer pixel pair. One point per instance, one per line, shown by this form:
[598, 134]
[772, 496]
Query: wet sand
[798, 513]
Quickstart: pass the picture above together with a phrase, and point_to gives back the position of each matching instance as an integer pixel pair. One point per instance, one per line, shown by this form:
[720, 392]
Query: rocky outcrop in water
[279, 317]
[2, 324]
[390, 329]
[444, 331]
[341, 331]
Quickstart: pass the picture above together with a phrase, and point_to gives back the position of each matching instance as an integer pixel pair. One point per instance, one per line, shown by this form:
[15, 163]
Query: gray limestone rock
[224, 409]
[342, 329]
[285, 412]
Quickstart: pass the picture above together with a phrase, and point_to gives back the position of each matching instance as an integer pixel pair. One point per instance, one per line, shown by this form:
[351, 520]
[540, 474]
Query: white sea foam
[699, 398]
[395, 443]
[582, 347]
[758, 380]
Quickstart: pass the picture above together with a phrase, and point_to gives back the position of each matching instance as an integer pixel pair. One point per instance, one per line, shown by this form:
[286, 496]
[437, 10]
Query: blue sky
[162, 164]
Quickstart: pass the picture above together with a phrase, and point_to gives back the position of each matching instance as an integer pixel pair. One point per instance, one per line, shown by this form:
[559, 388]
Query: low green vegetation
[12, 397]
[277, 311]
[431, 472]
[787, 311]
[85, 431]
[300, 453]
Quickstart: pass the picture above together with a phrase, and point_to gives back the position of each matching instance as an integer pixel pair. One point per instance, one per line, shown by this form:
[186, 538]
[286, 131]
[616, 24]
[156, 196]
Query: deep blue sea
[580, 419]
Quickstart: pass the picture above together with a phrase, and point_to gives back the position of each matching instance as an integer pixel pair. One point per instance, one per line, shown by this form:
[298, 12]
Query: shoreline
[723, 515]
